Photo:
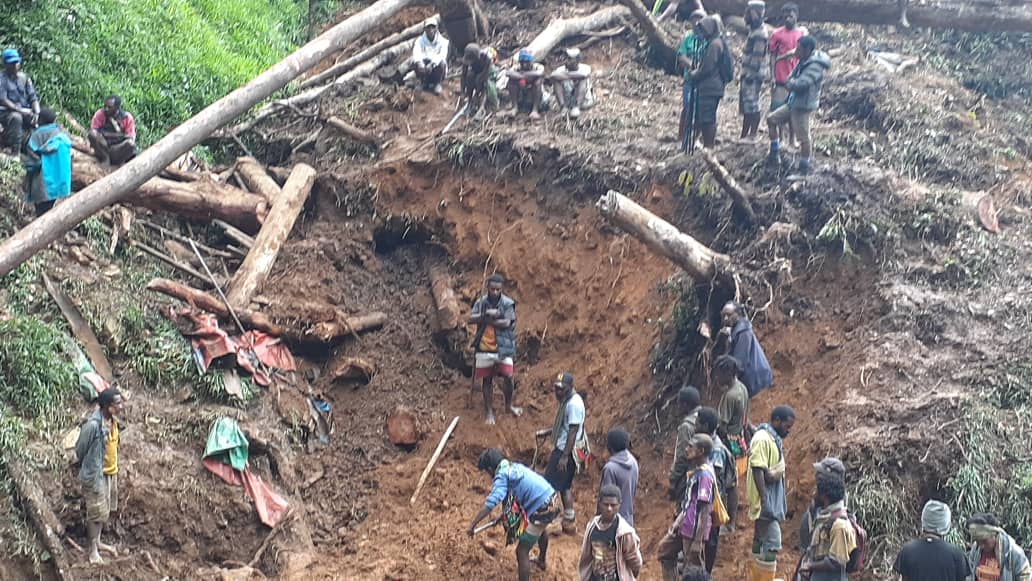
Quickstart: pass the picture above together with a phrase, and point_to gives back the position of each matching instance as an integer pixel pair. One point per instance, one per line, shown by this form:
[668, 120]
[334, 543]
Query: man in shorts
[569, 439]
[494, 344]
[97, 452]
[536, 498]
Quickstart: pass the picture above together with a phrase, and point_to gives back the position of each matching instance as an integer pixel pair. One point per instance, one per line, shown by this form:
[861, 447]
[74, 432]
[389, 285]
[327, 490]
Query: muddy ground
[879, 337]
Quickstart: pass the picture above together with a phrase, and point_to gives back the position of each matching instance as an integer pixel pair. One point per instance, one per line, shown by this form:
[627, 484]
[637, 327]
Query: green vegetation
[33, 381]
[166, 58]
[882, 505]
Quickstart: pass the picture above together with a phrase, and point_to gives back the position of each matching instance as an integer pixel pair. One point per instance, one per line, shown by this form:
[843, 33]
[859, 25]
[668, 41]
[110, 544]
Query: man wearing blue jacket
[804, 98]
[744, 347]
[47, 159]
[534, 495]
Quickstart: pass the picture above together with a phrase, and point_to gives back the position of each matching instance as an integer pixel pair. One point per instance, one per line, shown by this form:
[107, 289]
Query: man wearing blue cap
[525, 85]
[19, 104]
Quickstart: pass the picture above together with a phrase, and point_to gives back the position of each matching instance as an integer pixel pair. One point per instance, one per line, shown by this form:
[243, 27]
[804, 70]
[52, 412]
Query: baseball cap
[526, 56]
[11, 56]
[564, 379]
[831, 465]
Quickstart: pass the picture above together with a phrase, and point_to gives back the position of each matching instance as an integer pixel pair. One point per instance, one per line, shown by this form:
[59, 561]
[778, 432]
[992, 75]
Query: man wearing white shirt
[430, 58]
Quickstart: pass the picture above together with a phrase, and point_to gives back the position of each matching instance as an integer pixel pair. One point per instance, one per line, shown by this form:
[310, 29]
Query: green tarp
[227, 444]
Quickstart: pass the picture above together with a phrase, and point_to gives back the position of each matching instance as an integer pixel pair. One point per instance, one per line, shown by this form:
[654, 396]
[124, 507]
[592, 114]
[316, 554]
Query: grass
[36, 380]
[166, 58]
[882, 507]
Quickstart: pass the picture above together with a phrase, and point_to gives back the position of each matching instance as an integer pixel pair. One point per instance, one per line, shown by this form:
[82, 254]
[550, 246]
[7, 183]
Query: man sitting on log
[113, 133]
[525, 85]
[478, 89]
[572, 83]
[19, 104]
[430, 58]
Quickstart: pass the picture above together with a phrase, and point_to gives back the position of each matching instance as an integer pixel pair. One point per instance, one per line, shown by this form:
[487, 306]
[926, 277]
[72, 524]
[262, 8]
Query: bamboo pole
[433, 460]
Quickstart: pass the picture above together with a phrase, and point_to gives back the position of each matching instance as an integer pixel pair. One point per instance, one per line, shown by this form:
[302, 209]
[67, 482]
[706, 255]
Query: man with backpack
[834, 543]
[96, 450]
[527, 498]
[723, 462]
[691, 529]
[716, 70]
[765, 487]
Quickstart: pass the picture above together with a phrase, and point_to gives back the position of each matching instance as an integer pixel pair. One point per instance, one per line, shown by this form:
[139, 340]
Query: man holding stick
[494, 345]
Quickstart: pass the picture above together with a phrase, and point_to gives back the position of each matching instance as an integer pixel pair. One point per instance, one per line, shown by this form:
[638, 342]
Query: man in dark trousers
[621, 470]
[929, 557]
[689, 401]
[708, 81]
[569, 440]
[744, 347]
[19, 104]
[494, 344]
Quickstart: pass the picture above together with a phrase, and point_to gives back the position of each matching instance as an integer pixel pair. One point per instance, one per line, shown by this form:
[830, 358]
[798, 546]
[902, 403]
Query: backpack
[726, 66]
[858, 557]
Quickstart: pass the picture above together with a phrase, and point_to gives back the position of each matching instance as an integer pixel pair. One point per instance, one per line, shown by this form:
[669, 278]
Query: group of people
[483, 80]
[31, 131]
[714, 450]
[787, 59]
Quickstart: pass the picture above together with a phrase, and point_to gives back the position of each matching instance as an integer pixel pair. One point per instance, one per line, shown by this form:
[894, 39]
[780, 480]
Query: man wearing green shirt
[688, 56]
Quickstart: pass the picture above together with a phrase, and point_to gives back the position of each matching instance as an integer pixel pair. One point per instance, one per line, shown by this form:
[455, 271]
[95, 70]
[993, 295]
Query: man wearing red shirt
[783, 59]
[113, 132]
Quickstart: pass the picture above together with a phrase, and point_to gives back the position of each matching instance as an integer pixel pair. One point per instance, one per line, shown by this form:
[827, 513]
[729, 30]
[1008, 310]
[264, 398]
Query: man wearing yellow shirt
[97, 452]
[765, 486]
[833, 537]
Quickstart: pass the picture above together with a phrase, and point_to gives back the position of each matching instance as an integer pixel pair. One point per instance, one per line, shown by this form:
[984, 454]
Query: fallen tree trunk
[80, 329]
[353, 132]
[259, 261]
[726, 181]
[120, 184]
[967, 15]
[449, 313]
[257, 180]
[563, 28]
[48, 527]
[343, 325]
[211, 304]
[202, 199]
[368, 53]
[658, 38]
[663, 238]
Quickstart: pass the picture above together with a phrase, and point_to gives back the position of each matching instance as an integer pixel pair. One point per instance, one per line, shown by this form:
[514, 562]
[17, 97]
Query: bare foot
[490, 419]
[95, 558]
[108, 549]
[534, 115]
[516, 411]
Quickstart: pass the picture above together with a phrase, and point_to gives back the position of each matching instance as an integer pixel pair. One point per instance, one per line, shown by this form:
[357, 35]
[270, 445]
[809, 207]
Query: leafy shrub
[36, 377]
[166, 58]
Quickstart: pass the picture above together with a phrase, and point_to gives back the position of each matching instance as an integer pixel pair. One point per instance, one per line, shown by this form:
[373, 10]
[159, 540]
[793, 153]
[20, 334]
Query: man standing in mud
[765, 487]
[745, 348]
[569, 445]
[494, 345]
[97, 452]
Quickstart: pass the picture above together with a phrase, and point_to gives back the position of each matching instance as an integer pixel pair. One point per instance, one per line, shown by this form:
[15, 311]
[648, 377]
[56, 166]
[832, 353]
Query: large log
[203, 199]
[663, 238]
[120, 184]
[967, 15]
[48, 527]
[256, 179]
[368, 53]
[449, 313]
[80, 329]
[344, 325]
[259, 261]
[211, 304]
[562, 28]
[658, 38]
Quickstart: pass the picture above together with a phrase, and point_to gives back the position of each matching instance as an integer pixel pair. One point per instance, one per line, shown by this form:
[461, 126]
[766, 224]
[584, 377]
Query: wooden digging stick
[433, 460]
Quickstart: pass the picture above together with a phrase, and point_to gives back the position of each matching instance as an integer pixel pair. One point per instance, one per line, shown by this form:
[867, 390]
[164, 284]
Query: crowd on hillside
[714, 451]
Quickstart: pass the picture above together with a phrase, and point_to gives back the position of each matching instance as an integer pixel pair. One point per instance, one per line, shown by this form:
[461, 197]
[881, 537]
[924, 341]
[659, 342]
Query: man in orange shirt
[494, 344]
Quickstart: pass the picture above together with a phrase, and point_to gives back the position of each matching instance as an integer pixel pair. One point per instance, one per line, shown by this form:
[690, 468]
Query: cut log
[351, 369]
[202, 199]
[980, 16]
[329, 331]
[726, 181]
[212, 304]
[663, 238]
[657, 37]
[48, 527]
[123, 182]
[257, 180]
[449, 313]
[80, 329]
[368, 53]
[235, 234]
[562, 28]
[353, 132]
[259, 261]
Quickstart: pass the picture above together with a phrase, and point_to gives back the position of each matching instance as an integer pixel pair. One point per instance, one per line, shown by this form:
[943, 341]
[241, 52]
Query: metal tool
[454, 119]
[489, 525]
